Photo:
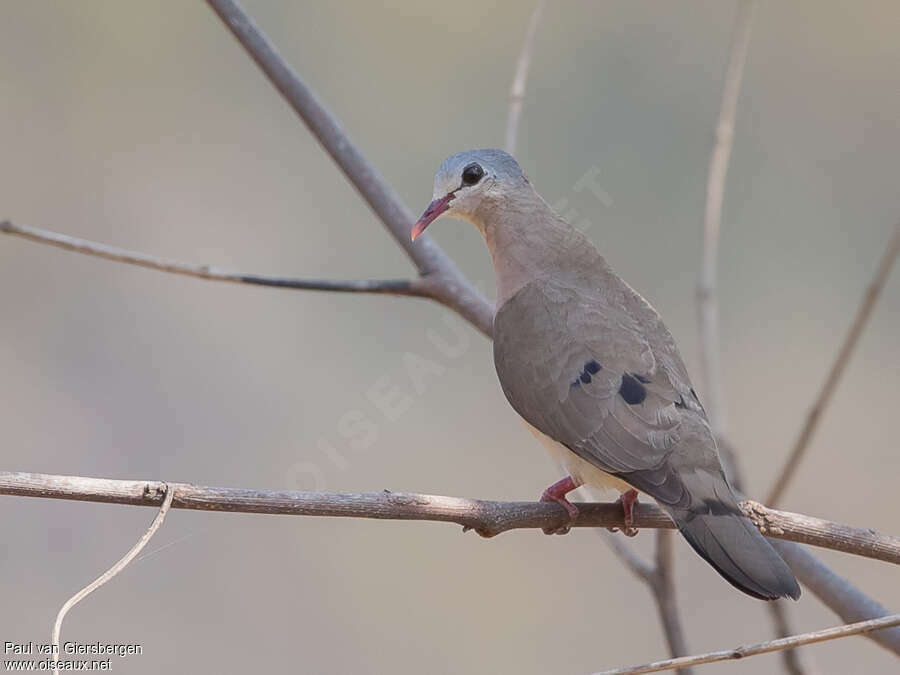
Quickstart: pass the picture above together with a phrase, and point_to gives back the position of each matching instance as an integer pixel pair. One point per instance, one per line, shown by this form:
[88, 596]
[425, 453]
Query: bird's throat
[527, 245]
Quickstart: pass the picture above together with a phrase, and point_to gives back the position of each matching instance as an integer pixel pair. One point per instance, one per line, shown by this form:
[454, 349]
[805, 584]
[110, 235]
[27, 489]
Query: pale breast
[584, 473]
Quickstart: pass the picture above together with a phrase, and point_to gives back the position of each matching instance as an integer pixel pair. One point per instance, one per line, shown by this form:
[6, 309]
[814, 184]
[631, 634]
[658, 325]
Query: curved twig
[761, 648]
[488, 518]
[168, 495]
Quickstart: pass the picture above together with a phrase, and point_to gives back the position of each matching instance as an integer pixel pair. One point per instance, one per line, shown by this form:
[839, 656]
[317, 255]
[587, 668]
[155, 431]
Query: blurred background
[146, 126]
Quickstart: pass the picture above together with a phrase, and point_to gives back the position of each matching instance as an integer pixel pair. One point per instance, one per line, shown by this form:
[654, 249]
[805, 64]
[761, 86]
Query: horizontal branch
[413, 287]
[488, 518]
[761, 648]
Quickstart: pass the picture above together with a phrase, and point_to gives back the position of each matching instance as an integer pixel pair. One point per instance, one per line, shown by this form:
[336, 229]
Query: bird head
[468, 182]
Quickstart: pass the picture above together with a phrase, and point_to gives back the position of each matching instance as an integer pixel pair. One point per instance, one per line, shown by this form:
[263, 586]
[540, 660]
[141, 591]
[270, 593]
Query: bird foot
[627, 500]
[557, 493]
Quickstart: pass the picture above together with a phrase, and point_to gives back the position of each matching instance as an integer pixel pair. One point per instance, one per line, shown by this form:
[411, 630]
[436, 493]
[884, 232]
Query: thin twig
[791, 659]
[412, 287]
[707, 303]
[762, 647]
[663, 588]
[488, 518]
[450, 286]
[658, 577]
[168, 495]
[666, 601]
[707, 298]
[837, 593]
[517, 90]
[863, 313]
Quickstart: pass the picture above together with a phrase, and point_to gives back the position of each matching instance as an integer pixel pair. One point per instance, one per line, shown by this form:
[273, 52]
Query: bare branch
[412, 287]
[168, 495]
[658, 578]
[791, 659]
[763, 647]
[707, 303]
[838, 594]
[661, 584]
[488, 518]
[707, 299]
[517, 90]
[449, 285]
[666, 602]
[823, 533]
[863, 313]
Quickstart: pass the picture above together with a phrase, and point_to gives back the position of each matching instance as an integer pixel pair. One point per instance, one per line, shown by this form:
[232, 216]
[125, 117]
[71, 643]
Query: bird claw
[627, 531]
[557, 529]
[570, 508]
[627, 500]
[557, 493]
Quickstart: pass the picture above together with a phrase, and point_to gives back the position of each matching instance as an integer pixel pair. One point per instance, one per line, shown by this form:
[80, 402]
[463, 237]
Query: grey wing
[590, 375]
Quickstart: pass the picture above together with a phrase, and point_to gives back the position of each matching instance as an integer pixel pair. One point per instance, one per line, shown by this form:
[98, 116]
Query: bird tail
[718, 530]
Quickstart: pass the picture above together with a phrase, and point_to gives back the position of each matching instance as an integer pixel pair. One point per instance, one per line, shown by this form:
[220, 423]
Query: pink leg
[628, 500]
[557, 493]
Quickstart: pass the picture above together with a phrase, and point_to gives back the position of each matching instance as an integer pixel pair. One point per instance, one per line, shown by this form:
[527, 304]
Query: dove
[589, 365]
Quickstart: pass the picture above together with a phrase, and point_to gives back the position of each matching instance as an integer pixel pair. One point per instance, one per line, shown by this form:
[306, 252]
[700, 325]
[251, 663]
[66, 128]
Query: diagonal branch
[450, 286]
[488, 518]
[413, 287]
[763, 647]
[863, 313]
[517, 90]
[837, 593]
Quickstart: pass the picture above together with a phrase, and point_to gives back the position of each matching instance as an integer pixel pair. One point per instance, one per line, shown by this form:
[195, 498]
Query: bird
[590, 366]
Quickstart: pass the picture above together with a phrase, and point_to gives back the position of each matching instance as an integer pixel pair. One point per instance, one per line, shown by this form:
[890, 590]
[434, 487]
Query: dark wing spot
[631, 390]
[680, 402]
[590, 368]
[641, 378]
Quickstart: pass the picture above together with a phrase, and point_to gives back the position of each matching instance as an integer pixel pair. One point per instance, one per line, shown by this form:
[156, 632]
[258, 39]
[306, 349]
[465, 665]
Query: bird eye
[472, 174]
